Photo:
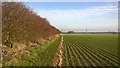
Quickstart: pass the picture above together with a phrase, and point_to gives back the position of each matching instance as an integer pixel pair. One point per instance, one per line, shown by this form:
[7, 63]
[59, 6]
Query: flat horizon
[78, 16]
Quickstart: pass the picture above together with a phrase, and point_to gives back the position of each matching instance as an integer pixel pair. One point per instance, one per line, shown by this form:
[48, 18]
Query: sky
[60, 0]
[79, 16]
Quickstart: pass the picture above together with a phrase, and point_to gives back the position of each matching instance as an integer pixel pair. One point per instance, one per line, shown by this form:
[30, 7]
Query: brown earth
[58, 60]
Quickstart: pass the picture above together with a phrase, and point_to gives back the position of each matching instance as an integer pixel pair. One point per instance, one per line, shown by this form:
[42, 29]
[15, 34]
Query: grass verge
[40, 56]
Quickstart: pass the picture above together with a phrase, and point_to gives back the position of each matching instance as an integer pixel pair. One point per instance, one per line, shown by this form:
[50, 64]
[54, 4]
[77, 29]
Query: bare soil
[58, 60]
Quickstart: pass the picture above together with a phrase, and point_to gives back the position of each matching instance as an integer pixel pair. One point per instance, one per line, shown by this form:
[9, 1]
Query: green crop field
[90, 50]
[78, 50]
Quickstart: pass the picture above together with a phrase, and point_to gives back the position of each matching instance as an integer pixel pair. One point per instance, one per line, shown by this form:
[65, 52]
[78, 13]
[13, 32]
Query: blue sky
[65, 5]
[78, 16]
[68, 0]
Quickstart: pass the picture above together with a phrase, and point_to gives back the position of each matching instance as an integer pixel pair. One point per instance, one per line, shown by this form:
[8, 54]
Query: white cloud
[80, 12]
[101, 17]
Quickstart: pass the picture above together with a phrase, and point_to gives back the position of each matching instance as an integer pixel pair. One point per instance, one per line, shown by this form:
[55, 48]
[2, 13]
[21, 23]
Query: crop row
[79, 53]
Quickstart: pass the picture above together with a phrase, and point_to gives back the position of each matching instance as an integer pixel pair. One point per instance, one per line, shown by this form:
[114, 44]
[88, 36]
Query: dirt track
[59, 54]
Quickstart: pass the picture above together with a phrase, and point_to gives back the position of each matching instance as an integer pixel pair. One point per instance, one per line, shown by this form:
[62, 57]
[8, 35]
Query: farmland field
[90, 50]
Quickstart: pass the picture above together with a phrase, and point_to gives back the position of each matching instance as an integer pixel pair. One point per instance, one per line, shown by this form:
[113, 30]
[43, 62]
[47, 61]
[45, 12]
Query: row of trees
[20, 24]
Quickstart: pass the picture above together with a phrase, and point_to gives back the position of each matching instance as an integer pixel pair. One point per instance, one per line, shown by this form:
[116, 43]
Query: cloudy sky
[79, 16]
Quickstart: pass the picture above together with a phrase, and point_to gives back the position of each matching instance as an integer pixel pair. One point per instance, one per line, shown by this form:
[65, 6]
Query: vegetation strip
[76, 57]
[40, 56]
[108, 57]
[100, 53]
[88, 52]
[91, 57]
